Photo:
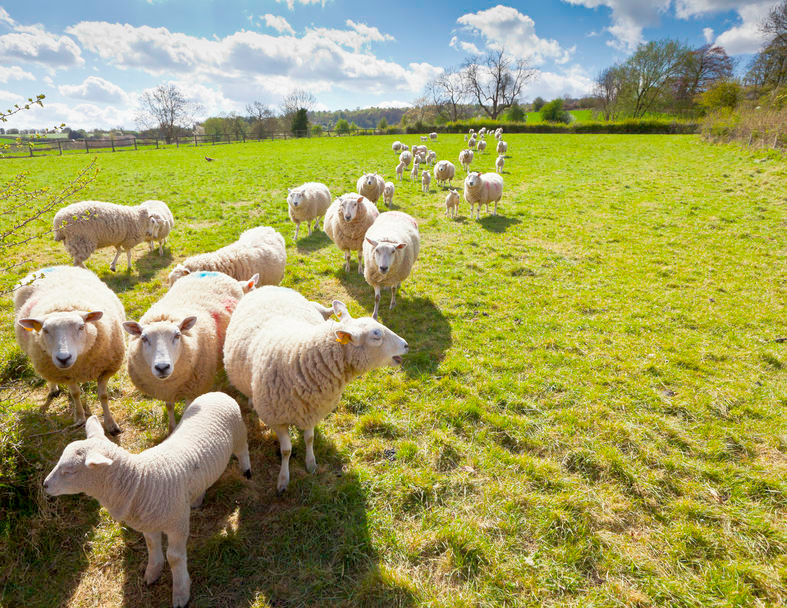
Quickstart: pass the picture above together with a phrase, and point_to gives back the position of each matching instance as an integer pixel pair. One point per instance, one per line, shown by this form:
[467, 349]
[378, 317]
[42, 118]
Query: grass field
[580, 115]
[592, 413]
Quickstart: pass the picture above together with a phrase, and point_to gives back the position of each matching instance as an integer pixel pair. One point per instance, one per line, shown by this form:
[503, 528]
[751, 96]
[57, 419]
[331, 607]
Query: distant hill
[366, 118]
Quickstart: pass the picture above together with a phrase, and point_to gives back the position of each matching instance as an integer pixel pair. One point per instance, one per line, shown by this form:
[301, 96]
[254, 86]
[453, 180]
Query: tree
[538, 103]
[166, 108]
[702, 68]
[383, 124]
[295, 100]
[515, 113]
[652, 67]
[342, 127]
[554, 112]
[449, 93]
[768, 69]
[495, 81]
[300, 123]
[263, 120]
[725, 94]
[611, 86]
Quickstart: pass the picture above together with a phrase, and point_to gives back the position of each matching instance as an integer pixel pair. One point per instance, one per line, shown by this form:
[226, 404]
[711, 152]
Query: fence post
[60, 147]
[228, 138]
[195, 140]
[135, 142]
[30, 146]
[157, 143]
[112, 141]
[177, 142]
[86, 148]
[214, 139]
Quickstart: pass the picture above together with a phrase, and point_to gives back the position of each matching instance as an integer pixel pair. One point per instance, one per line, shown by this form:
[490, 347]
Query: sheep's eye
[82, 327]
[377, 333]
[45, 331]
[145, 340]
[176, 337]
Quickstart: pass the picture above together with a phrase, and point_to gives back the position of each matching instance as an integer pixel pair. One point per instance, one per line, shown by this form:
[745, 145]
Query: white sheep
[396, 146]
[421, 157]
[465, 136]
[499, 163]
[424, 138]
[406, 157]
[482, 131]
[175, 349]
[417, 150]
[294, 365]
[370, 185]
[499, 133]
[431, 157]
[259, 250]
[68, 322]
[160, 223]
[502, 147]
[482, 189]
[416, 171]
[400, 171]
[306, 203]
[153, 491]
[426, 179]
[465, 159]
[471, 143]
[444, 171]
[452, 203]
[388, 193]
[433, 136]
[470, 132]
[405, 147]
[346, 221]
[481, 146]
[390, 249]
[89, 225]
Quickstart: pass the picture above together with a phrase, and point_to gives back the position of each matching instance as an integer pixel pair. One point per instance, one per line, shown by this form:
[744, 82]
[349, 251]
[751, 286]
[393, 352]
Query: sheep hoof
[311, 467]
[247, 473]
[115, 430]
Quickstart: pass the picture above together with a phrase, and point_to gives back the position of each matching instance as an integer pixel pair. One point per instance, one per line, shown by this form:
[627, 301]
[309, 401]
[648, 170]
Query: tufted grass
[592, 414]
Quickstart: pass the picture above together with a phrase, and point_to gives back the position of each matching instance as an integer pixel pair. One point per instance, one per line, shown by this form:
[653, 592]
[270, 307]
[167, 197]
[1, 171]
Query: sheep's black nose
[383, 268]
[162, 367]
[406, 347]
[64, 358]
[46, 484]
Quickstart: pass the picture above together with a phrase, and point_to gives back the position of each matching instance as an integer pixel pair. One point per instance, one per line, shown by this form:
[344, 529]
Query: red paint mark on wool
[219, 328]
[230, 304]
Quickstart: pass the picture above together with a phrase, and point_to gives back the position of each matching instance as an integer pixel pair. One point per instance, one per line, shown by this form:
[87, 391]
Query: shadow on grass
[247, 545]
[142, 270]
[497, 223]
[316, 240]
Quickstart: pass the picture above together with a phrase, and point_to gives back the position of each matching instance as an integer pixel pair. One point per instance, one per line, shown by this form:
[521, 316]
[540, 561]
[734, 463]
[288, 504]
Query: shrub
[538, 103]
[515, 113]
[316, 130]
[383, 124]
[554, 112]
[725, 94]
[342, 127]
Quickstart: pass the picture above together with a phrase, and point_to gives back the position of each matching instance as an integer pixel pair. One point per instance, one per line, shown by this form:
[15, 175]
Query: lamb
[68, 322]
[399, 171]
[431, 157]
[422, 157]
[444, 171]
[259, 250]
[471, 143]
[482, 189]
[306, 203]
[470, 132]
[89, 225]
[482, 131]
[396, 146]
[452, 203]
[406, 157]
[346, 221]
[481, 146]
[160, 223]
[465, 158]
[424, 138]
[501, 160]
[415, 172]
[502, 147]
[405, 147]
[175, 350]
[152, 491]
[371, 186]
[294, 364]
[388, 193]
[426, 179]
[499, 133]
[417, 150]
[433, 136]
[465, 136]
[390, 248]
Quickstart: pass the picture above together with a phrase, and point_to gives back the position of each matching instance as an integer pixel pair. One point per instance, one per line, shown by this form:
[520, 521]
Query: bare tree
[263, 120]
[495, 81]
[769, 67]
[297, 99]
[611, 86]
[258, 111]
[775, 24]
[449, 94]
[166, 108]
[702, 68]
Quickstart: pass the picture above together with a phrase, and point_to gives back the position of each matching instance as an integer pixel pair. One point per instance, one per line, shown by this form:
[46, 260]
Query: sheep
[481, 146]
[471, 143]
[406, 157]
[415, 172]
[259, 250]
[390, 249]
[68, 322]
[502, 147]
[470, 132]
[452, 203]
[424, 138]
[346, 221]
[481, 131]
[294, 364]
[405, 147]
[499, 133]
[160, 223]
[426, 179]
[306, 203]
[482, 189]
[465, 158]
[399, 172]
[431, 157]
[371, 186]
[417, 150]
[433, 136]
[175, 348]
[501, 160]
[388, 193]
[422, 158]
[89, 225]
[444, 171]
[396, 146]
[152, 491]
[465, 136]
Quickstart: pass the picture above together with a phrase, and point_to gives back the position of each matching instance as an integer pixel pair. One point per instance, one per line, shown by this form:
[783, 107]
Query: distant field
[580, 115]
[593, 413]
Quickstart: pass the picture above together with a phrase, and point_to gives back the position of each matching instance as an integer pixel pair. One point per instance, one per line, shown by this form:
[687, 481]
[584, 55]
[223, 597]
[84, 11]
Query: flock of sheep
[223, 308]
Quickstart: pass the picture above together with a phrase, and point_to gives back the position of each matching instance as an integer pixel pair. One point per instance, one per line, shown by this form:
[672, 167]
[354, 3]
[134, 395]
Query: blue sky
[92, 60]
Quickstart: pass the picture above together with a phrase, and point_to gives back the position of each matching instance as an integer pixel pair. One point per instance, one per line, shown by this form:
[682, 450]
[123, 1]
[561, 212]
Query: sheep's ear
[95, 459]
[187, 323]
[340, 310]
[133, 328]
[401, 245]
[289, 190]
[360, 200]
[31, 324]
[346, 337]
[93, 428]
[247, 286]
[373, 243]
[93, 316]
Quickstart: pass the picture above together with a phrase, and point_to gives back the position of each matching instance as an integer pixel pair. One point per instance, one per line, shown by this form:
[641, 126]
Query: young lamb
[175, 350]
[160, 224]
[390, 249]
[444, 171]
[153, 491]
[424, 138]
[465, 136]
[481, 146]
[388, 193]
[396, 146]
[431, 157]
[258, 250]
[426, 179]
[502, 147]
[416, 171]
[405, 147]
[370, 185]
[294, 364]
[68, 322]
[346, 221]
[499, 133]
[306, 203]
[420, 149]
[433, 136]
[400, 171]
[452, 203]
[471, 143]
[482, 189]
[406, 158]
[89, 225]
[499, 163]
[465, 159]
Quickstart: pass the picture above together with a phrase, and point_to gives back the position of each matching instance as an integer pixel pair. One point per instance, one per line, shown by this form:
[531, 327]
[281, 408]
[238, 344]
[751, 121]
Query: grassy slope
[592, 413]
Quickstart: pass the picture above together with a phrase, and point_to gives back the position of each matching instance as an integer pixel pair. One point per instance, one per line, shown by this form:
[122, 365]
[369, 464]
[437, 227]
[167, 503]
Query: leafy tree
[612, 86]
[554, 112]
[726, 94]
[701, 70]
[342, 127]
[383, 124]
[495, 81]
[652, 67]
[316, 130]
[515, 113]
[538, 103]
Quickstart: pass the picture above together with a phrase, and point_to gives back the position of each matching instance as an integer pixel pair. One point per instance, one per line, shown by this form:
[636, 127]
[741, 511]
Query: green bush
[515, 113]
[538, 103]
[727, 94]
[383, 124]
[342, 127]
[316, 130]
[554, 112]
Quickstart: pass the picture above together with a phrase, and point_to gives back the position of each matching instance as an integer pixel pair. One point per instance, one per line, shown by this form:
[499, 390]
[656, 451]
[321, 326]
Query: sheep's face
[74, 472]
[369, 180]
[473, 179]
[385, 253]
[349, 207]
[161, 343]
[295, 198]
[65, 335]
[155, 225]
[179, 271]
[426, 177]
[379, 344]
[389, 189]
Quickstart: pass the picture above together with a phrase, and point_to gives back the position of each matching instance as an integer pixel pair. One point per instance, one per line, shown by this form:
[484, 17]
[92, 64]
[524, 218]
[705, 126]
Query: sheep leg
[197, 502]
[360, 261]
[113, 265]
[285, 447]
[241, 452]
[170, 416]
[155, 557]
[128, 259]
[79, 412]
[176, 556]
[297, 228]
[161, 247]
[309, 227]
[308, 439]
[347, 255]
[393, 296]
[376, 301]
[54, 391]
[109, 422]
[495, 211]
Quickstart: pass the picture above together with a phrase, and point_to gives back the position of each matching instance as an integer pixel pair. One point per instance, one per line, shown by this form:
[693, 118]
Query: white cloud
[14, 72]
[746, 37]
[394, 103]
[6, 18]
[708, 34]
[94, 88]
[505, 27]
[573, 81]
[291, 3]
[684, 9]
[467, 47]
[83, 116]
[629, 18]
[278, 23]
[40, 47]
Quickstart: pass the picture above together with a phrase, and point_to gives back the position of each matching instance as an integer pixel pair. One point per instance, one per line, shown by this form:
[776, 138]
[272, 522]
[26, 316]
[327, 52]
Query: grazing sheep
[160, 223]
[406, 157]
[471, 143]
[481, 131]
[68, 322]
[259, 250]
[452, 203]
[400, 171]
[502, 147]
[153, 491]
[175, 349]
[388, 193]
[418, 150]
[405, 147]
[499, 163]
[424, 138]
[371, 186]
[431, 157]
[482, 189]
[444, 171]
[481, 146]
[294, 364]
[89, 225]
[465, 136]
[426, 179]
[306, 203]
[499, 133]
[396, 146]
[433, 136]
[390, 249]
[465, 159]
[346, 221]
[470, 132]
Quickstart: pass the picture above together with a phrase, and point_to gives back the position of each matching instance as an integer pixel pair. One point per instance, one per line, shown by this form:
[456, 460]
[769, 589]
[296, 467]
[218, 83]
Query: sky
[93, 59]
